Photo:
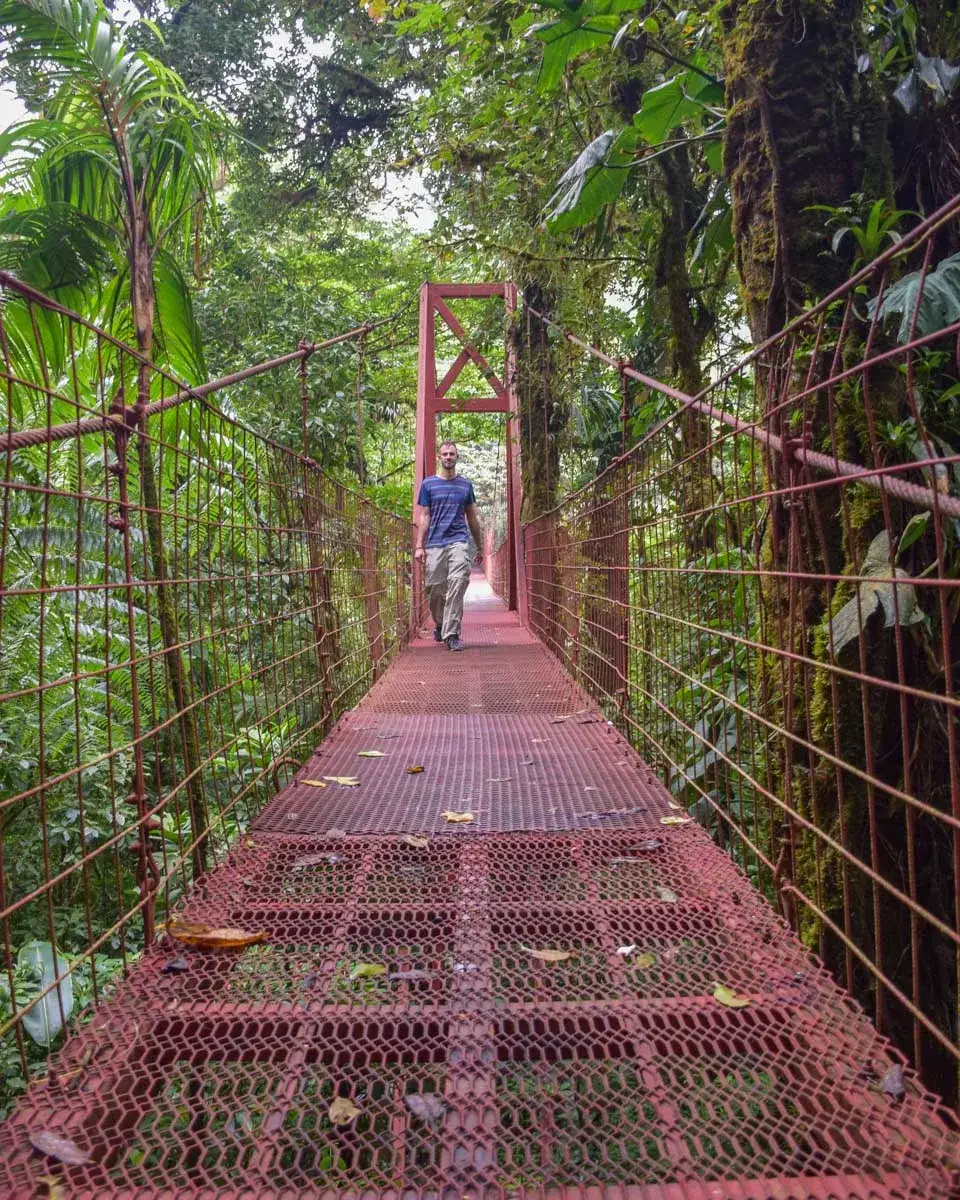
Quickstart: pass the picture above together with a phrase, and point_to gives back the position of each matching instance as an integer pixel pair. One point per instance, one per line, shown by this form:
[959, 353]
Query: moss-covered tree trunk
[800, 134]
[543, 414]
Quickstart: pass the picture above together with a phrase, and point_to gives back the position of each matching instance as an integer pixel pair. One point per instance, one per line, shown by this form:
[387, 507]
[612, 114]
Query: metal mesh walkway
[410, 980]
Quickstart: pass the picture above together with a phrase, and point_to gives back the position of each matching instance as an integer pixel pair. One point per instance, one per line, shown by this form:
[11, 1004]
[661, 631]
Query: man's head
[448, 455]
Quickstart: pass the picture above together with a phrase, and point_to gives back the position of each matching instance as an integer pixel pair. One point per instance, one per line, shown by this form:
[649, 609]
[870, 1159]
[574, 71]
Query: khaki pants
[447, 576]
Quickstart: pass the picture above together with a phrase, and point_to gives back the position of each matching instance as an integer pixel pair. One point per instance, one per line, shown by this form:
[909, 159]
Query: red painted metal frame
[697, 589]
[432, 398]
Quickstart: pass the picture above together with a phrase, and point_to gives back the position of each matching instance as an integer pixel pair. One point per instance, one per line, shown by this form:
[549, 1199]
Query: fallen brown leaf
[412, 839]
[457, 818]
[60, 1148]
[427, 1108]
[343, 1110]
[550, 956]
[313, 782]
[417, 770]
[54, 1185]
[370, 754]
[893, 1083]
[213, 937]
[343, 780]
[501, 779]
[675, 820]
[667, 895]
[335, 833]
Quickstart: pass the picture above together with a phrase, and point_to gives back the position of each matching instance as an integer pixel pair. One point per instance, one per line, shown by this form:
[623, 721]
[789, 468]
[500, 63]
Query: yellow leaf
[417, 770]
[377, 10]
[313, 782]
[457, 818]
[370, 754]
[412, 839]
[343, 780]
[54, 1186]
[367, 970]
[550, 956]
[675, 820]
[210, 937]
[645, 960]
[675, 807]
[342, 1111]
[728, 997]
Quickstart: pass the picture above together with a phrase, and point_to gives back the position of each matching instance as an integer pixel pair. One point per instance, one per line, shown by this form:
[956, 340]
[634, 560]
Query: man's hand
[420, 554]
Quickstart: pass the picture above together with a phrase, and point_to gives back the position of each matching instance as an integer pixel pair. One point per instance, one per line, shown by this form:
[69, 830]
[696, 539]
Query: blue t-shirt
[446, 499]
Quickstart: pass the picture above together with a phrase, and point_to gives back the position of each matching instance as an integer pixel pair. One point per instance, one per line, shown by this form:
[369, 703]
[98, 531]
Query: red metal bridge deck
[476, 1068]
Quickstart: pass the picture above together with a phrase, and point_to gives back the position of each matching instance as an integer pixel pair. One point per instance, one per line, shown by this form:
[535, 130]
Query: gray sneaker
[454, 643]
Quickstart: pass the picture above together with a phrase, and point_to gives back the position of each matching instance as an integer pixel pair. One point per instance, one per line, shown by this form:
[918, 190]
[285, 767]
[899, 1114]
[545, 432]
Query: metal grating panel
[588, 1073]
[479, 1070]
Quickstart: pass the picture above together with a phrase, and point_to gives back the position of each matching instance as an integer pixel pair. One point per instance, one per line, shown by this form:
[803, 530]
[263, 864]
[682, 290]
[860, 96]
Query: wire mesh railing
[764, 595]
[185, 608]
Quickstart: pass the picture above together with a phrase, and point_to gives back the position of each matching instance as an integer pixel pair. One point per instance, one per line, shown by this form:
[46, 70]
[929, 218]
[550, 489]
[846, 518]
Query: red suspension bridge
[481, 947]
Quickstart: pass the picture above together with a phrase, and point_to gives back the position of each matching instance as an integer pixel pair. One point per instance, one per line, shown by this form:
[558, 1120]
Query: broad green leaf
[937, 303]
[897, 601]
[596, 186]
[567, 37]
[45, 1021]
[713, 153]
[916, 528]
[663, 108]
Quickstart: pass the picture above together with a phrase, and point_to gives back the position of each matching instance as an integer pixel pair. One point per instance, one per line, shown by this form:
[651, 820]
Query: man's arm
[470, 512]
[423, 527]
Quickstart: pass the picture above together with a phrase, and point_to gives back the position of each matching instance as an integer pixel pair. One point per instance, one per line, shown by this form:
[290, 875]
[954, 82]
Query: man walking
[447, 507]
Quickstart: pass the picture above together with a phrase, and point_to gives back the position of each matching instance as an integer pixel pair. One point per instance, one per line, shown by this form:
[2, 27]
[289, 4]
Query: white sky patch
[404, 200]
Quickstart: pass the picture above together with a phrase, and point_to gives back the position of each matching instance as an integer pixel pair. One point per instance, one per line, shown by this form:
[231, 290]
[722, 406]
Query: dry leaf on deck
[316, 860]
[60, 1148]
[550, 956]
[625, 950]
[335, 833]
[728, 997]
[892, 1083]
[427, 1108]
[367, 970]
[676, 807]
[501, 779]
[559, 720]
[413, 974]
[213, 937]
[342, 1111]
[313, 782]
[412, 839]
[675, 820]
[457, 818]
[667, 895]
[370, 754]
[343, 780]
[54, 1185]
[175, 966]
[416, 770]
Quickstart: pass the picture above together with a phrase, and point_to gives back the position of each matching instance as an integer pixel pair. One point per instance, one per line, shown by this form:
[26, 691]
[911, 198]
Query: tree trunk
[542, 414]
[143, 302]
